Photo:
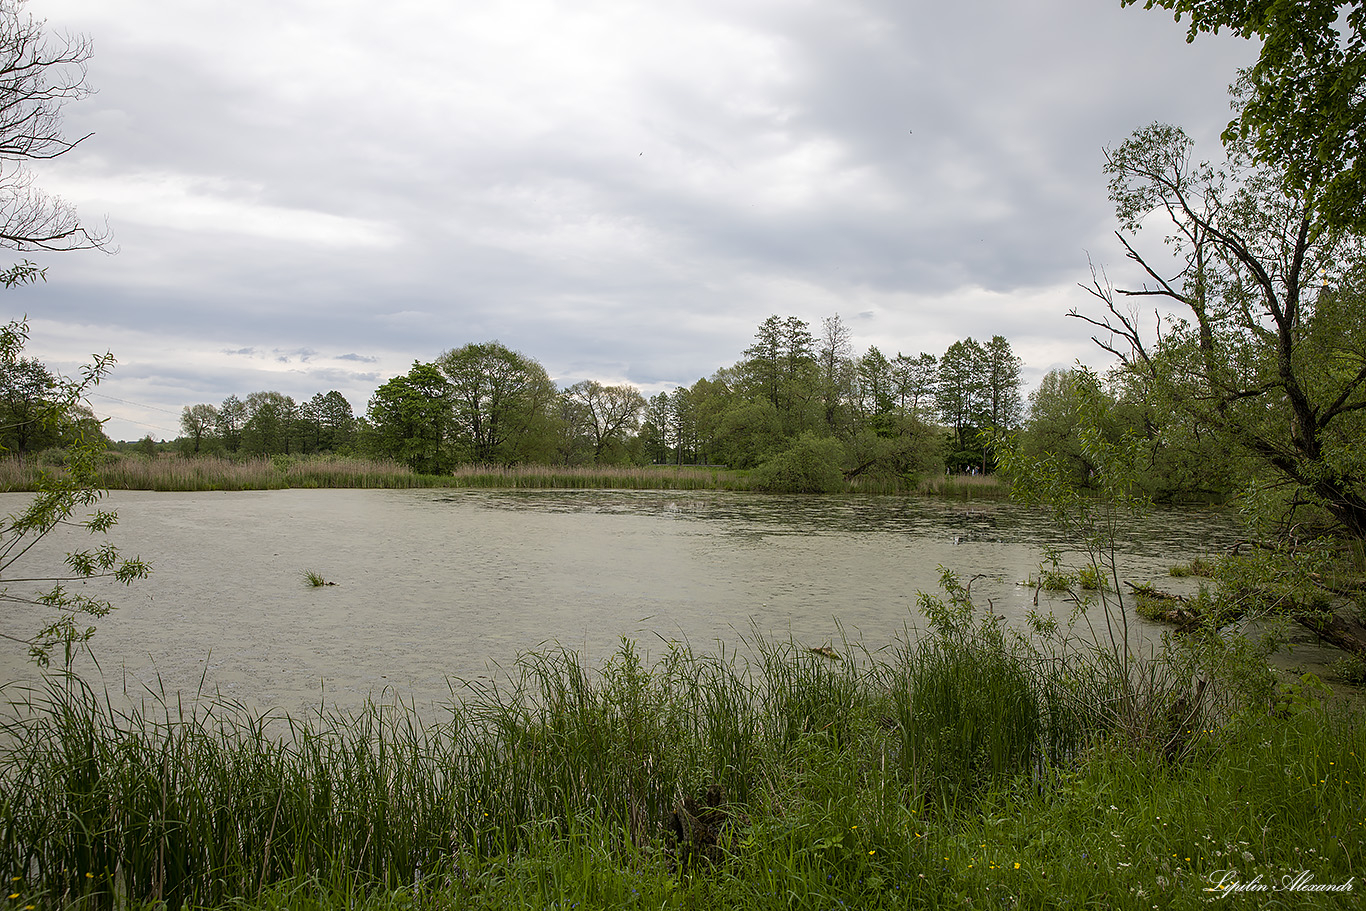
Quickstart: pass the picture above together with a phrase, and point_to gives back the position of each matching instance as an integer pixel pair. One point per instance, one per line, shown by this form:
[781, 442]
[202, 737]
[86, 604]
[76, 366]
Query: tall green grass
[832, 764]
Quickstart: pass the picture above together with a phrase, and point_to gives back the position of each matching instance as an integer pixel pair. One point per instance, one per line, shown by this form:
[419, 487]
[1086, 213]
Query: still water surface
[439, 584]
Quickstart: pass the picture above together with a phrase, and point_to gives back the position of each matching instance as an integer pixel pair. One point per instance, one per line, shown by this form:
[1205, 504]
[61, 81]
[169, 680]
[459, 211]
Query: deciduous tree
[409, 419]
[29, 405]
[1302, 105]
[198, 422]
[613, 412]
[914, 380]
[501, 401]
[232, 417]
[39, 73]
[1268, 344]
[962, 396]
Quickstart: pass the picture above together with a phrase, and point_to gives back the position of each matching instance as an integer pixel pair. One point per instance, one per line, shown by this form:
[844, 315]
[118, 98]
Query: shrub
[811, 465]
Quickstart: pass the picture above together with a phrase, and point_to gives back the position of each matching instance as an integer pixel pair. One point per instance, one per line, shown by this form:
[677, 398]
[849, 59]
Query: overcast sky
[309, 195]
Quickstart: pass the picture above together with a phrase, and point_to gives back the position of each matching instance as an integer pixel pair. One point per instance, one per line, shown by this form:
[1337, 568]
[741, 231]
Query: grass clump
[1056, 580]
[1199, 566]
[314, 579]
[1092, 579]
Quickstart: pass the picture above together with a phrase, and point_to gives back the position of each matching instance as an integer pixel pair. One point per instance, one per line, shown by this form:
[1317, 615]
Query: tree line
[269, 423]
[484, 403]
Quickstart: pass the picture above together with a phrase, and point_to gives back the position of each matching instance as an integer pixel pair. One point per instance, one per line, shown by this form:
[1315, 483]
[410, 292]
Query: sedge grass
[314, 579]
[905, 776]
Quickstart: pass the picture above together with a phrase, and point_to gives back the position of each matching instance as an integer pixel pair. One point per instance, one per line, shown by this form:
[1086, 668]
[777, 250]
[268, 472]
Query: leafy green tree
[914, 380]
[1302, 105]
[409, 420]
[1051, 426]
[876, 389]
[198, 423]
[811, 464]
[232, 417]
[612, 414]
[747, 433]
[1004, 407]
[683, 423]
[698, 411]
[501, 401]
[29, 401]
[336, 420]
[574, 439]
[308, 426]
[271, 427]
[656, 431]
[903, 448]
[1268, 290]
[963, 398]
[781, 367]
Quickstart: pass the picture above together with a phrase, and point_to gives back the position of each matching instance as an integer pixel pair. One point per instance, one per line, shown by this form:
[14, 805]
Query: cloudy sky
[309, 195]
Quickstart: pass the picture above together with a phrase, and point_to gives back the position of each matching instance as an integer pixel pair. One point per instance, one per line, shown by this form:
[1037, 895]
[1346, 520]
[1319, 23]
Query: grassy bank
[173, 472]
[974, 768]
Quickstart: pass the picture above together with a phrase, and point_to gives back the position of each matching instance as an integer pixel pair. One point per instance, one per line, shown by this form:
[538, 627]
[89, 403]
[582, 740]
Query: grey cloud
[878, 159]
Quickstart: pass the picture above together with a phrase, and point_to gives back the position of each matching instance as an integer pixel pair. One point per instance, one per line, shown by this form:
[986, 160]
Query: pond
[438, 584]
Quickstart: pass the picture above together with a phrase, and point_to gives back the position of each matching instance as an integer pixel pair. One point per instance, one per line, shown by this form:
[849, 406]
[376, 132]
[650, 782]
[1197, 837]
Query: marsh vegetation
[976, 764]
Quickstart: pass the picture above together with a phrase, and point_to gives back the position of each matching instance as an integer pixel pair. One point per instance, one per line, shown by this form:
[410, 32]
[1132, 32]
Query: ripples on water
[439, 584]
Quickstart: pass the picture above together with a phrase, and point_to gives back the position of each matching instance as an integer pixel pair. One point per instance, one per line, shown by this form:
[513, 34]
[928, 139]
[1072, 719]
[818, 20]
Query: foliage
[409, 420]
[1093, 519]
[1302, 104]
[978, 393]
[810, 465]
[485, 404]
[58, 498]
[500, 403]
[781, 367]
[610, 415]
[1269, 355]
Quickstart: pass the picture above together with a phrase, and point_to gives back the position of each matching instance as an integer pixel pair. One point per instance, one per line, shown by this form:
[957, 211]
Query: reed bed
[173, 472]
[651, 477]
[827, 774]
[179, 473]
[967, 487]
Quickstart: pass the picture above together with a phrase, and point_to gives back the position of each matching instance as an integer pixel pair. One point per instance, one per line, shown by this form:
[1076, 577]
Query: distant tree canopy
[36, 411]
[269, 423]
[794, 403]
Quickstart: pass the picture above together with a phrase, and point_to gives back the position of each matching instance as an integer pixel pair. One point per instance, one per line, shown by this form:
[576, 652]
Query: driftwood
[1346, 633]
